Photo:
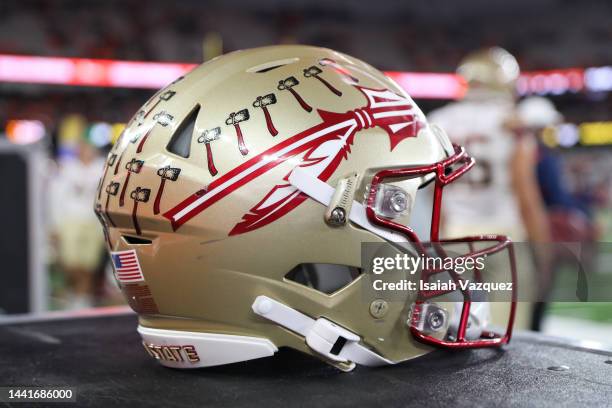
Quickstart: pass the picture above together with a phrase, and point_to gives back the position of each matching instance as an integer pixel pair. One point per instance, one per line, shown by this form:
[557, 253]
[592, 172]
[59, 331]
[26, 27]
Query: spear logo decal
[320, 149]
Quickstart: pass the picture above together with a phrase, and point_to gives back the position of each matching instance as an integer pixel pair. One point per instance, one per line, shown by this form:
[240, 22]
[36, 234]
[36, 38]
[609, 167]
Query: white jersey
[482, 200]
[73, 189]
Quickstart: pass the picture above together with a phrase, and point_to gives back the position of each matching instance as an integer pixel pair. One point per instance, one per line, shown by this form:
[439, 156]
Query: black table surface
[103, 359]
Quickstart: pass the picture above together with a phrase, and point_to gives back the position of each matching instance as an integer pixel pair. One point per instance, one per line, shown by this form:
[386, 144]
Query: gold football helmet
[236, 202]
[490, 68]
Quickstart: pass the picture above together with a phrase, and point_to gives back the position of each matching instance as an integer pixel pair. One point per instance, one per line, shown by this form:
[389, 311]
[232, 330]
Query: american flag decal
[127, 267]
[140, 299]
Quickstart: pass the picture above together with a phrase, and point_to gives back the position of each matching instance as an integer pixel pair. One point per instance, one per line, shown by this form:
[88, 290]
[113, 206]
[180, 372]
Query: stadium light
[154, 75]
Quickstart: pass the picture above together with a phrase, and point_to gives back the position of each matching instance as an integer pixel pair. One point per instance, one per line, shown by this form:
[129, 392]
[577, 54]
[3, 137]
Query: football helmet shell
[218, 188]
[538, 112]
[493, 69]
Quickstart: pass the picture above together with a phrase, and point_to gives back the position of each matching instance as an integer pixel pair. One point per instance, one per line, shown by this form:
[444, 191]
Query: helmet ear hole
[325, 278]
[180, 143]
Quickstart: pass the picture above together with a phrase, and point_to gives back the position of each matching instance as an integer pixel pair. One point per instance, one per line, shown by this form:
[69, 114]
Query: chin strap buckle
[323, 336]
[330, 340]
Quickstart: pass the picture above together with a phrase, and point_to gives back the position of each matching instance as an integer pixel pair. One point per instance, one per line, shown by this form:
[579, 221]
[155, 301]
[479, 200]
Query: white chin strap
[323, 336]
[322, 192]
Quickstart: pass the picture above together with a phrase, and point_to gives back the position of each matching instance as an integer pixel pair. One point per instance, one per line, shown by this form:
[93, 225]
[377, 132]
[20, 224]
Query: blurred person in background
[75, 230]
[501, 192]
[570, 219]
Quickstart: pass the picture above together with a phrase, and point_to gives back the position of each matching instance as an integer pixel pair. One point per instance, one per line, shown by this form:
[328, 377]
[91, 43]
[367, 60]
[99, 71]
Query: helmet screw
[379, 308]
[436, 320]
[337, 217]
[398, 201]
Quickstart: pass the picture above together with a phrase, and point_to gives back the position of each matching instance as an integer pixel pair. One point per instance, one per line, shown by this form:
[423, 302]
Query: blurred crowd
[394, 36]
[432, 36]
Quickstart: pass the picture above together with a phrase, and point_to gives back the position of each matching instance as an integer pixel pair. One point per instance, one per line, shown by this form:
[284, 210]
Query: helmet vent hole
[269, 66]
[325, 278]
[136, 240]
[180, 143]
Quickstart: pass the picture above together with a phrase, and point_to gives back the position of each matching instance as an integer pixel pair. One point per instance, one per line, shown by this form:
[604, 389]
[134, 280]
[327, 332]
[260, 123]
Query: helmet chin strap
[323, 336]
[322, 192]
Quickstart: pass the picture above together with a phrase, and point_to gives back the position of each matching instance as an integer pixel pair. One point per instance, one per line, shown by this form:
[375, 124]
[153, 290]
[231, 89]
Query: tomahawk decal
[324, 62]
[206, 137]
[165, 96]
[263, 102]
[288, 84]
[163, 118]
[134, 166]
[143, 140]
[320, 148]
[109, 163]
[111, 190]
[315, 72]
[234, 119]
[158, 97]
[140, 195]
[118, 163]
[98, 212]
[166, 173]
[135, 139]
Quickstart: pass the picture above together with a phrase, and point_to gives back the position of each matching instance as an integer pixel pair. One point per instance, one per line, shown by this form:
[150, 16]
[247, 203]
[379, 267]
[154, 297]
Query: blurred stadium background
[73, 72]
